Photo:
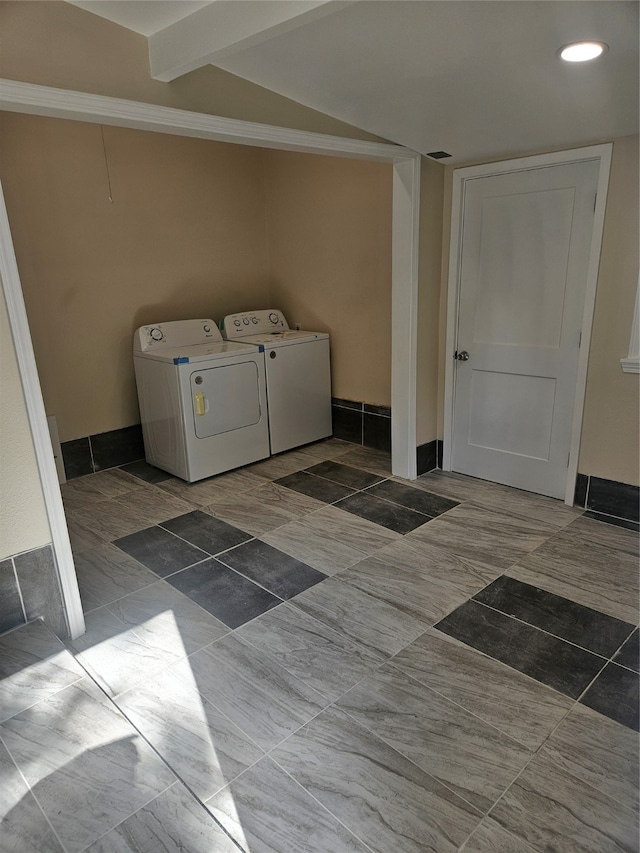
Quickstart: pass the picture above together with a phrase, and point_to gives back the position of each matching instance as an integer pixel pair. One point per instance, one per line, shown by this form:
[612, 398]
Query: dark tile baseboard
[607, 499]
[427, 457]
[103, 450]
[29, 589]
[362, 423]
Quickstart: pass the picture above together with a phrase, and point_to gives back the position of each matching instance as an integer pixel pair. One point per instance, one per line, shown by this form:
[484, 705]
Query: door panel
[526, 240]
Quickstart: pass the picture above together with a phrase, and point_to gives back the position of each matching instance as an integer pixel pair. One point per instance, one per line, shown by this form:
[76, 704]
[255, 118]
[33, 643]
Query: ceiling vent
[438, 155]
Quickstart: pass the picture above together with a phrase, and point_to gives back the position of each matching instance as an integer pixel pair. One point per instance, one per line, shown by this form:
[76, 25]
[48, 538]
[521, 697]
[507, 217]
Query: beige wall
[329, 232]
[56, 44]
[23, 517]
[183, 237]
[609, 445]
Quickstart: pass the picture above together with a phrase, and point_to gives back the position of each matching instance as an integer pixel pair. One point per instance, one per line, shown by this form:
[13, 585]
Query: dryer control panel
[253, 323]
[177, 333]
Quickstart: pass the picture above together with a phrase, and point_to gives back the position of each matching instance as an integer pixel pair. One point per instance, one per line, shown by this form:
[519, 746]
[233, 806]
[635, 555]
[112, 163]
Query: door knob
[461, 356]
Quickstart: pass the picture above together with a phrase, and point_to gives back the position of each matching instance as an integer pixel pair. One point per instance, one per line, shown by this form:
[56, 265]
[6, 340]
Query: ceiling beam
[225, 27]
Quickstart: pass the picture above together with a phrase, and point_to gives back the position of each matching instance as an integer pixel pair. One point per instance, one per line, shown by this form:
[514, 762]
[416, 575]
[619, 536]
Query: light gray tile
[283, 464]
[23, 826]
[458, 487]
[363, 617]
[313, 548]
[330, 448]
[552, 810]
[496, 539]
[166, 619]
[265, 508]
[258, 695]
[600, 533]
[40, 588]
[266, 811]
[490, 837]
[599, 751]
[597, 576]
[202, 746]
[369, 459]
[527, 505]
[83, 537]
[380, 796]
[106, 573]
[86, 765]
[116, 657]
[520, 707]
[214, 489]
[351, 530]
[78, 492]
[154, 504]
[107, 519]
[33, 665]
[407, 588]
[470, 757]
[310, 650]
[172, 823]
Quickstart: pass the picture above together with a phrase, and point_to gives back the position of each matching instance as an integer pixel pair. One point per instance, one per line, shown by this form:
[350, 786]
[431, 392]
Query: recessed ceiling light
[582, 51]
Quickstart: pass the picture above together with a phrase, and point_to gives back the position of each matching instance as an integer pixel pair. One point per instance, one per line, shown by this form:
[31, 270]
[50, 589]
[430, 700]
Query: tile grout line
[30, 789]
[119, 711]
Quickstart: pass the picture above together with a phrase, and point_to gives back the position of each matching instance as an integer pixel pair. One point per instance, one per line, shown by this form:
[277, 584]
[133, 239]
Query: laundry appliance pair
[210, 403]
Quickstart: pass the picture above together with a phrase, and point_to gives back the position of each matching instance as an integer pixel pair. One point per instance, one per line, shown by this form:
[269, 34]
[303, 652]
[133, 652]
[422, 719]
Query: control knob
[206, 329]
[156, 334]
[273, 317]
[237, 323]
[246, 321]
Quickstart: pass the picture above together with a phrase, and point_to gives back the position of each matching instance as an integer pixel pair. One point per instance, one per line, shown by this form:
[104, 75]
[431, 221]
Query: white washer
[202, 399]
[298, 375]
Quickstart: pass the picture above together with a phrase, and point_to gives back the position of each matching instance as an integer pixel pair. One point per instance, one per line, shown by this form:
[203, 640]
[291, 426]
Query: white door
[526, 239]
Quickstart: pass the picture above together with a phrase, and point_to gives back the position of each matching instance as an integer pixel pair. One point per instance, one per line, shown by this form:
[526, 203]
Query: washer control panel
[253, 323]
[177, 333]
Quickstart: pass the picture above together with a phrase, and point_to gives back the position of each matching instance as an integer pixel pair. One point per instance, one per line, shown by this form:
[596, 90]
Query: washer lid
[280, 339]
[199, 352]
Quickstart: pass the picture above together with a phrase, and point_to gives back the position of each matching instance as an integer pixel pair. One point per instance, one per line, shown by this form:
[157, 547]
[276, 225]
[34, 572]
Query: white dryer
[298, 375]
[202, 400]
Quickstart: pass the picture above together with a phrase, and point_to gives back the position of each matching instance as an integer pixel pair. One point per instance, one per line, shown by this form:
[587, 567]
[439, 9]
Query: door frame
[17, 96]
[600, 153]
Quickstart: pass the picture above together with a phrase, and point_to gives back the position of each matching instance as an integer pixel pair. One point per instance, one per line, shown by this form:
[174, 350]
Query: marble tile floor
[310, 655]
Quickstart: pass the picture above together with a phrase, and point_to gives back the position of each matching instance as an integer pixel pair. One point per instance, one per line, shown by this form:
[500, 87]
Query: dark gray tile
[611, 519]
[614, 693]
[278, 572]
[629, 654]
[315, 487]
[347, 424]
[11, 613]
[376, 431]
[40, 588]
[389, 515]
[117, 447]
[224, 593]
[580, 493]
[385, 411]
[353, 478]
[426, 457]
[346, 404]
[206, 532]
[160, 551]
[614, 498]
[76, 456]
[576, 623]
[424, 502]
[560, 665]
[146, 472]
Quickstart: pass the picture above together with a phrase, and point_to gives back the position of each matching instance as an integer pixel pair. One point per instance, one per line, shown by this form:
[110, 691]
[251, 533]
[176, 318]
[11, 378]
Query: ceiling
[475, 78]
